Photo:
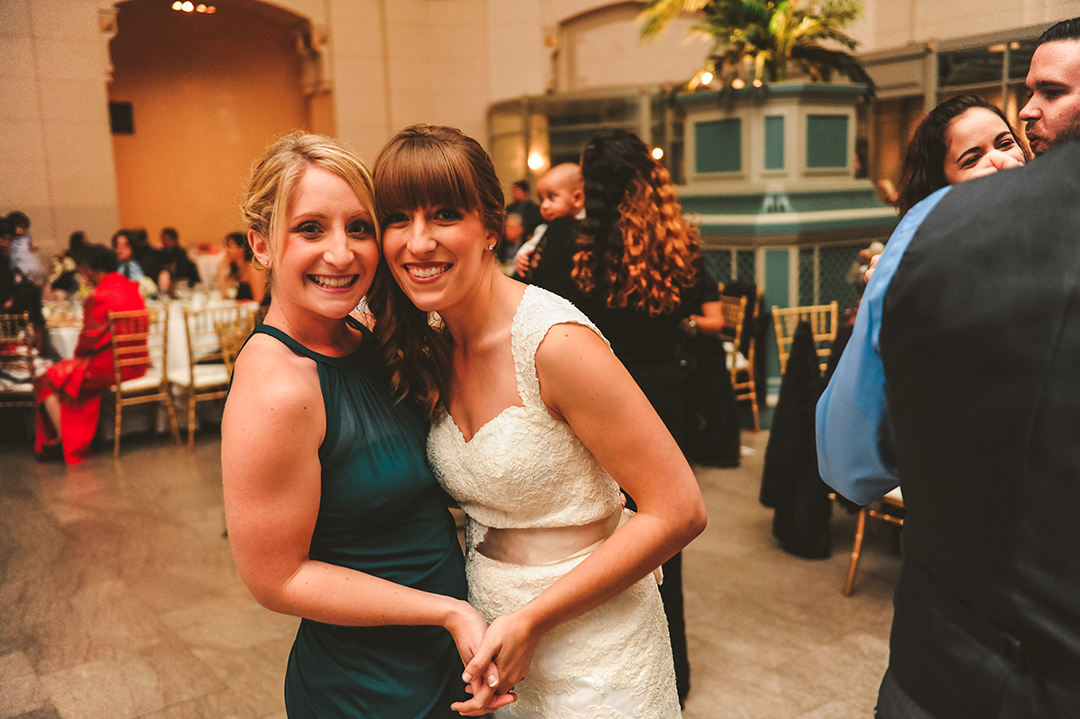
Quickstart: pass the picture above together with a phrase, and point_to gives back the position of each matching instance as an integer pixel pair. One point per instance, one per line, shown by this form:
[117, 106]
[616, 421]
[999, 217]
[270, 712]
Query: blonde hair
[275, 176]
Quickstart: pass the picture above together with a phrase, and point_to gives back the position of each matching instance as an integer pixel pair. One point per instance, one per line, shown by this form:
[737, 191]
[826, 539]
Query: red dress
[79, 382]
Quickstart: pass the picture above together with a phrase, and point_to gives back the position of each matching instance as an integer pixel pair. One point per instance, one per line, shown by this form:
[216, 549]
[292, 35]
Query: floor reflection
[119, 599]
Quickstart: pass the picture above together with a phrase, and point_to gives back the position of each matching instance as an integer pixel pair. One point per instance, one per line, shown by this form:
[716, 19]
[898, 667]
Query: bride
[536, 425]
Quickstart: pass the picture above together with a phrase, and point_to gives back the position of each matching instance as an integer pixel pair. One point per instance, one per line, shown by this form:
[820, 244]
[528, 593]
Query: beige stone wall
[54, 127]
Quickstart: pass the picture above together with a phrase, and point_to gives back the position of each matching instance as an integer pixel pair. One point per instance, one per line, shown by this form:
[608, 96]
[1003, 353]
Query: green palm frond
[659, 13]
[764, 38]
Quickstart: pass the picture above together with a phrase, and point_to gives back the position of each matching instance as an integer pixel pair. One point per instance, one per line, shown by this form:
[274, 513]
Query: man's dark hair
[76, 241]
[522, 185]
[5, 227]
[99, 258]
[1064, 30]
[170, 232]
[18, 219]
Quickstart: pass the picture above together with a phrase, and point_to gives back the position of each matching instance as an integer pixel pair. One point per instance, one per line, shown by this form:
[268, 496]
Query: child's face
[558, 199]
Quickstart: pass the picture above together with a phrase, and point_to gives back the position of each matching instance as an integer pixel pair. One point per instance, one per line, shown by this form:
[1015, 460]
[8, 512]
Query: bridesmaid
[332, 513]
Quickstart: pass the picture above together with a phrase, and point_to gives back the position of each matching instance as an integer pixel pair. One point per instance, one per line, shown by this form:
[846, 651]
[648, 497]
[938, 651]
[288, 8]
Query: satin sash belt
[544, 546]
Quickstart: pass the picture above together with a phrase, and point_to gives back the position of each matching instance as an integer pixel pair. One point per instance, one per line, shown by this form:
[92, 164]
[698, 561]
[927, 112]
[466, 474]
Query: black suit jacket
[980, 343]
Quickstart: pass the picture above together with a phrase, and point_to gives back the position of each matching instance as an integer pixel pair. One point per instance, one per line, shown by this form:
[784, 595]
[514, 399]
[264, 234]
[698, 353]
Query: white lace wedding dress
[525, 469]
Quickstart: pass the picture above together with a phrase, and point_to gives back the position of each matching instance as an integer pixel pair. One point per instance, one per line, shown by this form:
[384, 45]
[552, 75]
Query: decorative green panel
[745, 262]
[777, 280]
[718, 146]
[774, 142]
[718, 263]
[826, 141]
[806, 275]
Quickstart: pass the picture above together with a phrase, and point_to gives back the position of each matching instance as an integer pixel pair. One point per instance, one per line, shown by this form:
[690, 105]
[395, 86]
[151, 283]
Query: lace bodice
[524, 468]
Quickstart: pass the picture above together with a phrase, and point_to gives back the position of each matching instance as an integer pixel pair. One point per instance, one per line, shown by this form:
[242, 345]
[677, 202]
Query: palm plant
[764, 40]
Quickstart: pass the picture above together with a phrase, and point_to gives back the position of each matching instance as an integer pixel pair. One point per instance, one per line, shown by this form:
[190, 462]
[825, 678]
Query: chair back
[204, 345]
[823, 324]
[18, 383]
[734, 311]
[232, 334]
[140, 342]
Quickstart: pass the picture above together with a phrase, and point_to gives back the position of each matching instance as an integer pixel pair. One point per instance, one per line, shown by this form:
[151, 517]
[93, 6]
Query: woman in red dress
[69, 393]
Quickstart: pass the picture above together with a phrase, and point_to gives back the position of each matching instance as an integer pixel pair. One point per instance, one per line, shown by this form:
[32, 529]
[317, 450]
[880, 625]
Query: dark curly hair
[426, 166]
[635, 248]
[924, 164]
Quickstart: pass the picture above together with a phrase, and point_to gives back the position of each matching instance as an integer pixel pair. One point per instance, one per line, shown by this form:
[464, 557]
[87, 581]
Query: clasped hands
[496, 658]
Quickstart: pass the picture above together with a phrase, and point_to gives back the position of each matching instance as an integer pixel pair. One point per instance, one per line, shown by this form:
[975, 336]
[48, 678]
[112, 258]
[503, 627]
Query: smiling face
[438, 255]
[328, 252]
[1052, 113]
[978, 143]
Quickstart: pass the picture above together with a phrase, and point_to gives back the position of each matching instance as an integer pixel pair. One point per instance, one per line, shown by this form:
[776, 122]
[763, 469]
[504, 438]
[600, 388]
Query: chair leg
[191, 418]
[170, 407]
[116, 434]
[753, 404]
[855, 551]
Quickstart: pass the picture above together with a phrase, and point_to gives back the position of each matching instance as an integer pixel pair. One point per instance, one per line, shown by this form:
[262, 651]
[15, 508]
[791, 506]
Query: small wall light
[536, 161]
[657, 153]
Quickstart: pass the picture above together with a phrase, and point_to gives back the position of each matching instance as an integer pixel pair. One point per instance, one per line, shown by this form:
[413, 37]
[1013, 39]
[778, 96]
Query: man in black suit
[960, 379]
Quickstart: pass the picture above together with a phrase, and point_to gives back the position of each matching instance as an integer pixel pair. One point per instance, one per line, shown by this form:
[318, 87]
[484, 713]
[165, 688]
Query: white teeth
[332, 282]
[423, 272]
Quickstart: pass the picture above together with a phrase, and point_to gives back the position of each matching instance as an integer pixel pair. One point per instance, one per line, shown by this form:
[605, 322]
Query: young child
[562, 194]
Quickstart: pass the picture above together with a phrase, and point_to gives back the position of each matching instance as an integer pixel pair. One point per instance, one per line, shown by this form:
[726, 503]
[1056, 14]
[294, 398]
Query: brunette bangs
[416, 172]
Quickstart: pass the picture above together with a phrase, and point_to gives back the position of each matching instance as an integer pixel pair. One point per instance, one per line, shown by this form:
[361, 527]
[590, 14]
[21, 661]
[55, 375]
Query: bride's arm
[582, 382]
[273, 425]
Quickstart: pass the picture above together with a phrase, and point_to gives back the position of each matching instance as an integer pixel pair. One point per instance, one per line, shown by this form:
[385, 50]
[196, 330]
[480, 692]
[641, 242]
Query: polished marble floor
[119, 599]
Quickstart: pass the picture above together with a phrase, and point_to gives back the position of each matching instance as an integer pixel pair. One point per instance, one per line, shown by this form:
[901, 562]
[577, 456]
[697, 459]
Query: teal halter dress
[382, 513]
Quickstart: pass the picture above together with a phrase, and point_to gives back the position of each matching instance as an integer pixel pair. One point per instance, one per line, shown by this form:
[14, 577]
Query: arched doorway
[207, 92]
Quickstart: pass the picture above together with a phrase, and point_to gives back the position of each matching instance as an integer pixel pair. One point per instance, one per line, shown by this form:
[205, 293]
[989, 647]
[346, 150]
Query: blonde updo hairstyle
[275, 177]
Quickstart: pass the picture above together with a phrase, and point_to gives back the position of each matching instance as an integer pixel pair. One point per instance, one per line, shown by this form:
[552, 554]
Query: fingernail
[466, 677]
[493, 681]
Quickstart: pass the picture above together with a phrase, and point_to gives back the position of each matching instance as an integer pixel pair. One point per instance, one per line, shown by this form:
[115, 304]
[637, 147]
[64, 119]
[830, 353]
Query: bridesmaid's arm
[582, 382]
[273, 425]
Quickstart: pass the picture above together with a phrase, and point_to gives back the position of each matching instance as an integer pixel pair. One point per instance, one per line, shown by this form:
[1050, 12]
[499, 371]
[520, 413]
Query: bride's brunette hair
[426, 166]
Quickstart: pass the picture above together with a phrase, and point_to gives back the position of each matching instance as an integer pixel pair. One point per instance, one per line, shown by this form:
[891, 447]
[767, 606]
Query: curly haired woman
[633, 266]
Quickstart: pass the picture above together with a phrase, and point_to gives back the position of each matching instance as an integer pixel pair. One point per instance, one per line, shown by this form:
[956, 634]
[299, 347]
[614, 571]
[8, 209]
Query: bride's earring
[491, 247]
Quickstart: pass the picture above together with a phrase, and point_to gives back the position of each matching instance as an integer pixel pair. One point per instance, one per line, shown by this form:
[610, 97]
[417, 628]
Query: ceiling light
[738, 83]
[657, 153]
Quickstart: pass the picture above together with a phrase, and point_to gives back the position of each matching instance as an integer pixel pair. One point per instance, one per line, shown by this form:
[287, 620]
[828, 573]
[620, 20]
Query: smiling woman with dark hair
[962, 138]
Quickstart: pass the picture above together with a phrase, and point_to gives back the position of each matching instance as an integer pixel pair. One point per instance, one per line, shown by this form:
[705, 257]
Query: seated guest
[175, 263]
[237, 276]
[23, 253]
[69, 393]
[962, 138]
[128, 266]
[17, 293]
[65, 276]
[148, 257]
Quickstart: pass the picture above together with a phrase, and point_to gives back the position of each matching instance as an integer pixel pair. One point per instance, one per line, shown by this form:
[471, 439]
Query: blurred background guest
[69, 393]
[176, 265]
[237, 276]
[17, 293]
[65, 277]
[23, 253]
[128, 266]
[636, 270]
[521, 204]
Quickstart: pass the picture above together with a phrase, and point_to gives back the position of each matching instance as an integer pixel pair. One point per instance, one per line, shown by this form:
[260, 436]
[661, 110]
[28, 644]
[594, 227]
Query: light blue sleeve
[855, 449]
